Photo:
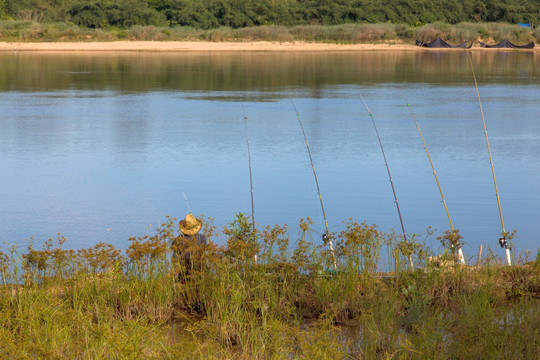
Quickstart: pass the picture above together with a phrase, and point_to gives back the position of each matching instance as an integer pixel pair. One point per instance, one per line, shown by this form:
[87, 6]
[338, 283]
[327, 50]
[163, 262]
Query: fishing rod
[502, 241]
[460, 251]
[250, 182]
[250, 173]
[187, 203]
[327, 233]
[389, 176]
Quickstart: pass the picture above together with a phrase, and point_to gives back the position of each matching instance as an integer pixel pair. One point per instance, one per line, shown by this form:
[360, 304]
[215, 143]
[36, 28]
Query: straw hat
[190, 226]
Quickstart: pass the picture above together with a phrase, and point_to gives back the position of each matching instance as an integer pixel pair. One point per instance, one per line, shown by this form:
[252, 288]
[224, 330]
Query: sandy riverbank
[184, 46]
[179, 46]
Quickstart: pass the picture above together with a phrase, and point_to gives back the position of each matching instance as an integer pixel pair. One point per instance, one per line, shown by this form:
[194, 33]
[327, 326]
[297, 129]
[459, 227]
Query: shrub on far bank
[536, 34]
[486, 32]
[146, 33]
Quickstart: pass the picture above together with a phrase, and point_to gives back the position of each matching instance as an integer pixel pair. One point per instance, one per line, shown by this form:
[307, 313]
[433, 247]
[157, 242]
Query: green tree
[189, 13]
[128, 13]
[3, 14]
[207, 14]
[90, 14]
[119, 13]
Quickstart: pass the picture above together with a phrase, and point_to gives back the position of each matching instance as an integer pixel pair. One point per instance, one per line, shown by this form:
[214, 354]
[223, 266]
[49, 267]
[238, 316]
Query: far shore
[188, 46]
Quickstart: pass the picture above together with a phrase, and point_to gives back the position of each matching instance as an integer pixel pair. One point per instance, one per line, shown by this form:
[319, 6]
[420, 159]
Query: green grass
[101, 302]
[28, 31]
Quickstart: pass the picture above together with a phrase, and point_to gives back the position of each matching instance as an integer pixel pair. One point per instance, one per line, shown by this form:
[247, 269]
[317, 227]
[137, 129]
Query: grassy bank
[102, 303]
[27, 31]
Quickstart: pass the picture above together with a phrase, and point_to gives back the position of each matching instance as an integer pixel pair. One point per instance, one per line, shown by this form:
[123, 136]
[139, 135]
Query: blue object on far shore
[524, 25]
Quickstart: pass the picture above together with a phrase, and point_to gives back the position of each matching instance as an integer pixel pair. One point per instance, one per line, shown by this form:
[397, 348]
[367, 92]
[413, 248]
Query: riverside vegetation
[288, 302]
[31, 31]
[334, 21]
[210, 14]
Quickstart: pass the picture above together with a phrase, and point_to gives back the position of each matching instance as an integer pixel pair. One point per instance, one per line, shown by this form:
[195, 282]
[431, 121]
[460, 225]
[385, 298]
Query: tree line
[208, 14]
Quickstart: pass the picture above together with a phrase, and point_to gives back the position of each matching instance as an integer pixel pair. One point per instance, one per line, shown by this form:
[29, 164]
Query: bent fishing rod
[327, 233]
[460, 250]
[389, 176]
[502, 241]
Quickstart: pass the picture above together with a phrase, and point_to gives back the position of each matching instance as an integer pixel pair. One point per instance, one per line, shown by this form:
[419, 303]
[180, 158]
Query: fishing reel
[504, 243]
[325, 238]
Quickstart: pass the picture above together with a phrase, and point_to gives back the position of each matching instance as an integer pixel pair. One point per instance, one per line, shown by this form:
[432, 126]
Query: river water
[102, 146]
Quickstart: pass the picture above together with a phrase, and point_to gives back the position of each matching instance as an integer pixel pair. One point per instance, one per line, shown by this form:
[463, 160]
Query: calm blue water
[102, 147]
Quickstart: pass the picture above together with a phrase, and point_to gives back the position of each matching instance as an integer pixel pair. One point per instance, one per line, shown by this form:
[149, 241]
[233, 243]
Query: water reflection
[256, 71]
[98, 141]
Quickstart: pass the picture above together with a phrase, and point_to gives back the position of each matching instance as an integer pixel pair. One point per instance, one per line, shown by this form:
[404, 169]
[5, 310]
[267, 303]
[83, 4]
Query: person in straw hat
[190, 240]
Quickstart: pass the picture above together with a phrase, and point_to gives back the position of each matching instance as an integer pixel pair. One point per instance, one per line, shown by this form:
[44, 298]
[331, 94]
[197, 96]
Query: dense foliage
[290, 303]
[207, 14]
